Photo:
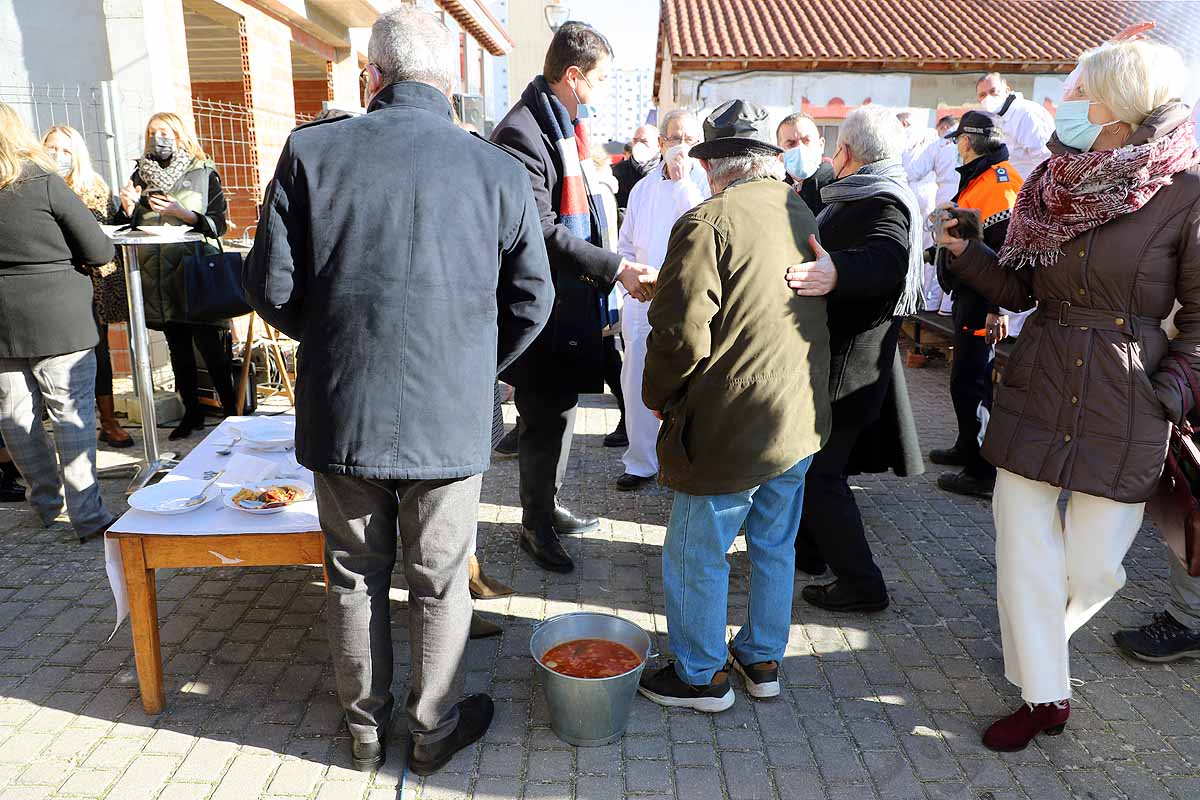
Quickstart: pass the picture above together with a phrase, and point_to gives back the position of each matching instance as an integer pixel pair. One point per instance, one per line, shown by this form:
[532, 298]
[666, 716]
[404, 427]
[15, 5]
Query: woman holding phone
[175, 183]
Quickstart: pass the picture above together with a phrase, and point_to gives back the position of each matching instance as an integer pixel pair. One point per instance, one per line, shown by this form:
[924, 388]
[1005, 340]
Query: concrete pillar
[267, 74]
[345, 71]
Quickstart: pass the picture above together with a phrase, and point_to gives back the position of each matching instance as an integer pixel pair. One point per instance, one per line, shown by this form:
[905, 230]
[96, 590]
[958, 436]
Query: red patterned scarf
[1074, 192]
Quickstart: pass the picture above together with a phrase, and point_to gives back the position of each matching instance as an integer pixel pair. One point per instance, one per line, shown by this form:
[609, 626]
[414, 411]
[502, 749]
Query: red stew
[591, 658]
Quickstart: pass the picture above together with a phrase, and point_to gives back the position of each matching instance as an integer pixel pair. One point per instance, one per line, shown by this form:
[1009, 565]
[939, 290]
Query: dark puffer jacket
[1085, 402]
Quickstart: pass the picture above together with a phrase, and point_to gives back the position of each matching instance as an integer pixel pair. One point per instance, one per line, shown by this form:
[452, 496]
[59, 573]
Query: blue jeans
[696, 573]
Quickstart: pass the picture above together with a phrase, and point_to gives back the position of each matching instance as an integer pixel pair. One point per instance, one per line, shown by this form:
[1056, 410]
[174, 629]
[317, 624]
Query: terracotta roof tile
[900, 35]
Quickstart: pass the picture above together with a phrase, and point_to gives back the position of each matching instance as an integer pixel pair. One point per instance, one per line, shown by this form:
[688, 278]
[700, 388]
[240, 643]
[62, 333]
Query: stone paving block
[206, 762]
[647, 776]
[144, 777]
[746, 776]
[186, 791]
[698, 782]
[838, 760]
[549, 766]
[892, 775]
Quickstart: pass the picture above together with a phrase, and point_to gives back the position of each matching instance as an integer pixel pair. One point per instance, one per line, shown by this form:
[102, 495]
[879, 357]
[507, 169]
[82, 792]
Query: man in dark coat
[799, 136]
[543, 131]
[643, 159]
[402, 329]
[864, 275]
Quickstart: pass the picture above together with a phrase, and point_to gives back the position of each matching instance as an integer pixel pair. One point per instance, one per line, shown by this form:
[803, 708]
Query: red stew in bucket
[591, 658]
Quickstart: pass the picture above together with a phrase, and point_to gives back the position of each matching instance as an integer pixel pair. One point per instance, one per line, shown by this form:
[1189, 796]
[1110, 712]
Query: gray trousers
[65, 387]
[1185, 595]
[436, 523]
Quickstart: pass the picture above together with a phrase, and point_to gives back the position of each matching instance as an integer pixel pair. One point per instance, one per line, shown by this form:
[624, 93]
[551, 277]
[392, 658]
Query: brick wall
[267, 68]
[310, 96]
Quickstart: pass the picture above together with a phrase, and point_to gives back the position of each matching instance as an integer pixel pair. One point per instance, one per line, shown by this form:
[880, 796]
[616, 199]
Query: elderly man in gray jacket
[407, 258]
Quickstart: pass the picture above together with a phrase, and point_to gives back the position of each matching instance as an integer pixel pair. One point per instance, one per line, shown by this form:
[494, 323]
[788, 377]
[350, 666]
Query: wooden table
[143, 553]
[211, 536]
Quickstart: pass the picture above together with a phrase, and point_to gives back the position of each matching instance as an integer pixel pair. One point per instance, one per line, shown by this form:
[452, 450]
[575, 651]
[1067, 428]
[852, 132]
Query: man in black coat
[642, 159]
[406, 257]
[802, 142]
[863, 277]
[568, 357]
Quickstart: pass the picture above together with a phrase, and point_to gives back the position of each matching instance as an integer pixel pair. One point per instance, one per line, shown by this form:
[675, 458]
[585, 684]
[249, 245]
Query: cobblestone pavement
[888, 706]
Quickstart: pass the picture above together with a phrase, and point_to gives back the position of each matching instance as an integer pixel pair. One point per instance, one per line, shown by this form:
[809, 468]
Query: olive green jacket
[738, 364]
[199, 190]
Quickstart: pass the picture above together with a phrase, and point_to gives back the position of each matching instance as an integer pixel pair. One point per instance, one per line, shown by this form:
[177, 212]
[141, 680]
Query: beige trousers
[1053, 575]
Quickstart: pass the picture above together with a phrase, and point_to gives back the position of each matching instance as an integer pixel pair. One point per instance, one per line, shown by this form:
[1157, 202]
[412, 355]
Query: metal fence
[86, 108]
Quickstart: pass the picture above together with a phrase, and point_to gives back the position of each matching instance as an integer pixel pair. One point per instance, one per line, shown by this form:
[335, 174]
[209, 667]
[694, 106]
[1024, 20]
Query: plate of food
[269, 498]
[172, 497]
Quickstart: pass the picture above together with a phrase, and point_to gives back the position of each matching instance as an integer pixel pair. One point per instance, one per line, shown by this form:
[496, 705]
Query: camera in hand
[970, 226]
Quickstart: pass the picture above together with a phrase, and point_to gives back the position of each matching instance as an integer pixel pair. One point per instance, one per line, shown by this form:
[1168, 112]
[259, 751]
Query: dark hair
[576, 44]
[793, 119]
[949, 119]
[983, 144]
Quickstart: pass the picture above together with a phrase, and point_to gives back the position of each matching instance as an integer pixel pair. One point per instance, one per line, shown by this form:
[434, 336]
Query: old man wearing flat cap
[737, 366]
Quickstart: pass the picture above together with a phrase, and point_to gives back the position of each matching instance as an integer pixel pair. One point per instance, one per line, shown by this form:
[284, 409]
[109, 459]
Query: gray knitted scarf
[886, 178]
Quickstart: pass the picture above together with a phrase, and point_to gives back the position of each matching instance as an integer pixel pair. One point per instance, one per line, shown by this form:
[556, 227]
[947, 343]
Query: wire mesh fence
[225, 132]
[83, 107]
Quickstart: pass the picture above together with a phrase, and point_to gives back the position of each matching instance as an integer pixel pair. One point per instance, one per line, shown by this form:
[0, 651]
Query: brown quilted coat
[1084, 403]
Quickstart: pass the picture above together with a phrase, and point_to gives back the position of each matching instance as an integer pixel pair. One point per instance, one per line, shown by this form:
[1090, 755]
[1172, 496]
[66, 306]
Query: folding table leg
[143, 615]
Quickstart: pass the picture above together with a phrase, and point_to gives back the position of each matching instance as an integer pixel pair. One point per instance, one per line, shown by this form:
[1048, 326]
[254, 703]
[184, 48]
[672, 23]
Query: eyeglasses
[678, 140]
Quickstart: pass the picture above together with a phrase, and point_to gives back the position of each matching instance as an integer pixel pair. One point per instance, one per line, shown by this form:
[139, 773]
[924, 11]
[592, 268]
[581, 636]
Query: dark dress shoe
[543, 546]
[1017, 730]
[368, 756]
[618, 438]
[482, 628]
[836, 597]
[474, 717]
[11, 491]
[964, 484]
[568, 522]
[507, 446]
[187, 426]
[950, 457]
[631, 483]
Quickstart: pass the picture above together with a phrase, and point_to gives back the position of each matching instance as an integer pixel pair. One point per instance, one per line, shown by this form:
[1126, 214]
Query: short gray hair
[410, 44]
[747, 166]
[664, 125]
[872, 133]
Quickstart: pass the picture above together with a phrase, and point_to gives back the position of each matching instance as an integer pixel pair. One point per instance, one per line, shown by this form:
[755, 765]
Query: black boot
[193, 420]
[618, 438]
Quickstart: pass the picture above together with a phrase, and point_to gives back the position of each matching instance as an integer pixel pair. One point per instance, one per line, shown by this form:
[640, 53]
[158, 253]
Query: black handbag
[212, 285]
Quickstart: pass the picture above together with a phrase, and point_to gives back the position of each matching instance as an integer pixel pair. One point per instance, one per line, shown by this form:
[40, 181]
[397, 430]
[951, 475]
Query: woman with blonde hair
[48, 242]
[1104, 238]
[175, 183]
[66, 146]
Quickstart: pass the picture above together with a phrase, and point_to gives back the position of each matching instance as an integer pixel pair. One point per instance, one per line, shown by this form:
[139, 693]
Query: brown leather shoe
[482, 586]
[1018, 729]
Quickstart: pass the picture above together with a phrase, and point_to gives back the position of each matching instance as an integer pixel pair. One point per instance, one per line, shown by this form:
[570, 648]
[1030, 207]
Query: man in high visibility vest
[988, 184]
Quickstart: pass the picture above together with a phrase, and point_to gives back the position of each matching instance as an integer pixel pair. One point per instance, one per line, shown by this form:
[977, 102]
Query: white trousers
[1053, 576]
[641, 457]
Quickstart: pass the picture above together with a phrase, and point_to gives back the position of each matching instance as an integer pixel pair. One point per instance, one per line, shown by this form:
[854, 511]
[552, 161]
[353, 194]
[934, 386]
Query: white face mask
[992, 103]
[642, 153]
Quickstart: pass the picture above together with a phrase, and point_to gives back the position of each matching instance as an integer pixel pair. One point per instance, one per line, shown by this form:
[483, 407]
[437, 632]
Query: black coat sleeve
[275, 272]
[89, 245]
[212, 222]
[593, 265]
[877, 265]
[525, 293]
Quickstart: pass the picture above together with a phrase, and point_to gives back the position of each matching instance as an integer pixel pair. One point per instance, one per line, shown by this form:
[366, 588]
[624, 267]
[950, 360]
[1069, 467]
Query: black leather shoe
[631, 483]
[618, 438]
[543, 546]
[835, 597]
[187, 426]
[950, 457]
[474, 716]
[567, 522]
[969, 485]
[507, 447]
[368, 756]
[11, 491]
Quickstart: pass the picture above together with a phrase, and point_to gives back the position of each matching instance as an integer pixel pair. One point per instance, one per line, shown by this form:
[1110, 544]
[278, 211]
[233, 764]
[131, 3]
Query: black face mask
[161, 150]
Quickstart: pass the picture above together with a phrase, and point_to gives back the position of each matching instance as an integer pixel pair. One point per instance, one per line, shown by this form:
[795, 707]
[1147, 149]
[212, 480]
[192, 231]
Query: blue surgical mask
[1073, 127]
[585, 110]
[65, 164]
[802, 162]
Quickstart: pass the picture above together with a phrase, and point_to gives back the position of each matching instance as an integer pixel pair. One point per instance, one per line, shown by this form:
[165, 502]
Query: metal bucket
[589, 712]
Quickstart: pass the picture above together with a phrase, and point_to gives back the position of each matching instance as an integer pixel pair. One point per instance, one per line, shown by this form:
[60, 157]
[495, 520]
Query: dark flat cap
[735, 128]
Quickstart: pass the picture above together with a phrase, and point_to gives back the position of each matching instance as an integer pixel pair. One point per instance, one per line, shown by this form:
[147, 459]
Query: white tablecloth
[213, 518]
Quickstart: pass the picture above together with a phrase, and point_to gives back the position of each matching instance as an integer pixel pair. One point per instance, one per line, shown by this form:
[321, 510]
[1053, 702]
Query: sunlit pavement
[887, 706]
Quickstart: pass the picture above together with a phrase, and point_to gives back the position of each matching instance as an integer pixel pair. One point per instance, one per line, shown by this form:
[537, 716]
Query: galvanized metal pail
[589, 712]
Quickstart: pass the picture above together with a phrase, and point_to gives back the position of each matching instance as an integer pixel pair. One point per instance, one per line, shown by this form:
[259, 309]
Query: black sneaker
[507, 447]
[950, 457]
[629, 482]
[666, 688]
[761, 680]
[969, 485]
[1164, 639]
